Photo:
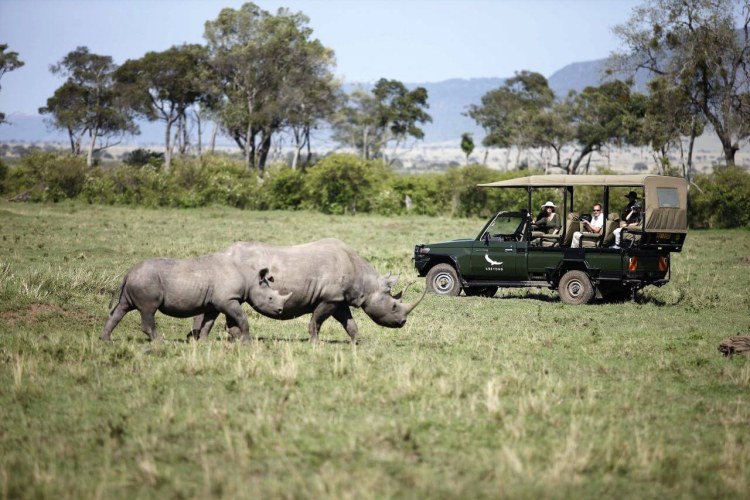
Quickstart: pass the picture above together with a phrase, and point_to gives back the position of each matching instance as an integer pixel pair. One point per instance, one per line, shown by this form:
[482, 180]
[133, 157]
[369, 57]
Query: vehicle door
[500, 252]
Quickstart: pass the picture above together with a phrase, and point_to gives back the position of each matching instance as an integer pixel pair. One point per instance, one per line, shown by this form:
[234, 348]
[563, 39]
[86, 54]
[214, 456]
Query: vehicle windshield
[506, 224]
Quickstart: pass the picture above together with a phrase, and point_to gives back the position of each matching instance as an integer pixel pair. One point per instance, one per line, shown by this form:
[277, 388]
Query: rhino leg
[114, 319]
[236, 321]
[322, 312]
[343, 315]
[148, 324]
[203, 323]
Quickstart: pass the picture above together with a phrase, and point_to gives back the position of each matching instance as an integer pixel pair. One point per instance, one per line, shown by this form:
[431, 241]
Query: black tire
[480, 291]
[575, 288]
[443, 280]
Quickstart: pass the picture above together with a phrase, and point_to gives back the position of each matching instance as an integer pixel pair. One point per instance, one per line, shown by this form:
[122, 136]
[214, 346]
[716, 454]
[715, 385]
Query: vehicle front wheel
[443, 280]
[575, 288]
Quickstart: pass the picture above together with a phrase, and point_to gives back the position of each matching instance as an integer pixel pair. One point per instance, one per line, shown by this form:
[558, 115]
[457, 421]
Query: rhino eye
[395, 306]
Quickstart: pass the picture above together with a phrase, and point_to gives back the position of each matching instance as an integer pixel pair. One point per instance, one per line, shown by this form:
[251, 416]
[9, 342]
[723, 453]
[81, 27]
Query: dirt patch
[35, 312]
[745, 261]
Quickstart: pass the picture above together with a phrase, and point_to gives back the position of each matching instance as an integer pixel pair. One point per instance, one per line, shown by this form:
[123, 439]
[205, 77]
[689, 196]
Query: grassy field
[516, 395]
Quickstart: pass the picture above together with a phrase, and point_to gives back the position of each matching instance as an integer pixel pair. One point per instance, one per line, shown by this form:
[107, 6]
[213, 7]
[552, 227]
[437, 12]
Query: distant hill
[449, 100]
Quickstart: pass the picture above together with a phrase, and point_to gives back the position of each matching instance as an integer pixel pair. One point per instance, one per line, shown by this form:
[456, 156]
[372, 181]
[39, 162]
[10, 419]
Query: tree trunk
[729, 151]
[573, 169]
[168, 146]
[200, 137]
[250, 148]
[213, 138]
[691, 145]
[309, 147]
[265, 148]
[90, 153]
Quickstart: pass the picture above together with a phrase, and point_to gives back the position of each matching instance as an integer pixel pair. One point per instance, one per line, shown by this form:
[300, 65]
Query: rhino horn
[412, 306]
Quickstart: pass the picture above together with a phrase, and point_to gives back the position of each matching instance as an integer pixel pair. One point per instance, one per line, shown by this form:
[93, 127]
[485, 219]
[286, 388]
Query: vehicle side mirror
[486, 237]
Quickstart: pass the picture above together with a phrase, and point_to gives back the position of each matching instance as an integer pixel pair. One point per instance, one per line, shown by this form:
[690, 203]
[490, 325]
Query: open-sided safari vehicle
[510, 252]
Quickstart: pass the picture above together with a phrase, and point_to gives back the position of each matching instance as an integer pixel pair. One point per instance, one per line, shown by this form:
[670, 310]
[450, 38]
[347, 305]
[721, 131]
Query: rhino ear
[388, 281]
[263, 276]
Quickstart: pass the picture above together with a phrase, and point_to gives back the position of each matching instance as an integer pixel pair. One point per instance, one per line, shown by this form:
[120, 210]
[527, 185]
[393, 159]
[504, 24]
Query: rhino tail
[119, 297]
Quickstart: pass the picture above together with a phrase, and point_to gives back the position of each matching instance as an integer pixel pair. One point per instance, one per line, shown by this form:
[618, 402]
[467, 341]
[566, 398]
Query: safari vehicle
[507, 252]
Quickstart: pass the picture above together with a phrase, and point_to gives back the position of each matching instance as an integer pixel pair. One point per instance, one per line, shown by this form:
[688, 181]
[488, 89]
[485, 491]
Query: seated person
[632, 199]
[548, 221]
[595, 226]
[632, 219]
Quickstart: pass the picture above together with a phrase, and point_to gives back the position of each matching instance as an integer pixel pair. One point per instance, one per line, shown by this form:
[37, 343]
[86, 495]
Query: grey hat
[549, 204]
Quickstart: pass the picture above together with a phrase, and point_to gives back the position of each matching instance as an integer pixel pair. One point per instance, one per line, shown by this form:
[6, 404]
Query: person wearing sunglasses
[595, 226]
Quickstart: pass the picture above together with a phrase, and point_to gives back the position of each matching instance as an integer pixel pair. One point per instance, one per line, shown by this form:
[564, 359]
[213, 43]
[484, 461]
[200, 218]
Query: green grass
[516, 395]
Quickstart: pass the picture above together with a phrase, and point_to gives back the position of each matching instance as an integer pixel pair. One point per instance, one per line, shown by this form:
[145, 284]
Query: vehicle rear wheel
[443, 280]
[575, 288]
[480, 291]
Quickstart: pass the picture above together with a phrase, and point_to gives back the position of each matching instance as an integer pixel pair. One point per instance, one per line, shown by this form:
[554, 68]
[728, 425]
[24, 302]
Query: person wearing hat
[632, 197]
[548, 220]
[632, 220]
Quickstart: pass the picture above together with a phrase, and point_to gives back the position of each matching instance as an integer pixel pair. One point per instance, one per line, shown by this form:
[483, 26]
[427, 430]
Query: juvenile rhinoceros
[324, 278]
[215, 283]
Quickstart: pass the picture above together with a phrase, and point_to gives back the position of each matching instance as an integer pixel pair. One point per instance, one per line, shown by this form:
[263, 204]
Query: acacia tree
[696, 48]
[670, 116]
[269, 68]
[507, 112]
[163, 86]
[467, 145]
[390, 114]
[524, 113]
[87, 104]
[9, 61]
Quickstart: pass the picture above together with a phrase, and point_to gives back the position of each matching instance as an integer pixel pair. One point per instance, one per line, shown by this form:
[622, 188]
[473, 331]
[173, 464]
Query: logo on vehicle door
[494, 265]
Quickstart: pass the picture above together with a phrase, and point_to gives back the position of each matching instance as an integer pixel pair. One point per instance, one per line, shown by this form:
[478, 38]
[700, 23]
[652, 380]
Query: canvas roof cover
[665, 197]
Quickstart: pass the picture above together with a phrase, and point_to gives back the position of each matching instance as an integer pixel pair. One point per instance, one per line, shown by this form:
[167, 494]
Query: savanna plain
[517, 395]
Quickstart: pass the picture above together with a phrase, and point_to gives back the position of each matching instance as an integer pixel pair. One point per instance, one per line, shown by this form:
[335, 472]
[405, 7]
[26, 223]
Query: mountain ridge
[449, 102]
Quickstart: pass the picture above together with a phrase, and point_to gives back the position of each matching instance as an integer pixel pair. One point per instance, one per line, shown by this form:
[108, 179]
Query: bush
[721, 200]
[3, 175]
[48, 176]
[286, 188]
[428, 193]
[468, 200]
[141, 157]
[344, 183]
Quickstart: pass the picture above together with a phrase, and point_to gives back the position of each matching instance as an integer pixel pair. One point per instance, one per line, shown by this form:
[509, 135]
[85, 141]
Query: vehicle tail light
[633, 264]
[663, 264]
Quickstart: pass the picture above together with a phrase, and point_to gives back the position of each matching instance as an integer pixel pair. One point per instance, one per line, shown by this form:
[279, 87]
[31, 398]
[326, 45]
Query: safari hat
[632, 194]
[549, 204]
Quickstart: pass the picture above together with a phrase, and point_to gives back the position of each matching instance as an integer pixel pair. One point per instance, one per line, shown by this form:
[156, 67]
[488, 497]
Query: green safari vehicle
[510, 252]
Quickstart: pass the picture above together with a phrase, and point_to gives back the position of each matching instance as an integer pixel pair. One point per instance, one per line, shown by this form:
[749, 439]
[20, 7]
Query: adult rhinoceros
[213, 284]
[325, 278]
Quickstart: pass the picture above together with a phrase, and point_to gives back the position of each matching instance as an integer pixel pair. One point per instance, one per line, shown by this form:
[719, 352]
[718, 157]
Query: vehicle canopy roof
[665, 197]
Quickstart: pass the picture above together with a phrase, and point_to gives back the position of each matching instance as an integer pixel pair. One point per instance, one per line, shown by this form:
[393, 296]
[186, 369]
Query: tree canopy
[388, 115]
[87, 105]
[701, 58]
[9, 61]
[163, 85]
[271, 74]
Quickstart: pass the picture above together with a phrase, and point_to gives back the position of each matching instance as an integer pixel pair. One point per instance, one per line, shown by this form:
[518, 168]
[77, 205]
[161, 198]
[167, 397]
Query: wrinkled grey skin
[325, 278]
[206, 286]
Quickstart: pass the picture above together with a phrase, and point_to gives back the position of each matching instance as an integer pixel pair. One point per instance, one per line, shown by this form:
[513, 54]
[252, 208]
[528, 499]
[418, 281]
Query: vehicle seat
[613, 222]
[631, 235]
[571, 226]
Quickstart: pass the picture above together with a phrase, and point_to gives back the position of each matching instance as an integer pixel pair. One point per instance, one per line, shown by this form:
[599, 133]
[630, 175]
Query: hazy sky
[408, 40]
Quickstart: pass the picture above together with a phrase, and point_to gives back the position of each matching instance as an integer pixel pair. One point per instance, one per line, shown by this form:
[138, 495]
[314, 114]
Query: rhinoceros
[325, 278]
[212, 284]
